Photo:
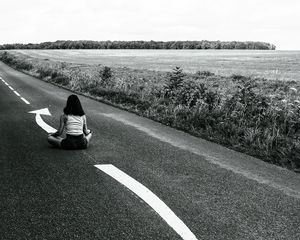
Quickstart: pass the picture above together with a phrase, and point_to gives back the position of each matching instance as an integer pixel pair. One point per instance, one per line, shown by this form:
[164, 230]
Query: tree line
[86, 44]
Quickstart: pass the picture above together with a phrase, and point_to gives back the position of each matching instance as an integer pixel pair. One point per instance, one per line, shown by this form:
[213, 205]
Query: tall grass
[252, 115]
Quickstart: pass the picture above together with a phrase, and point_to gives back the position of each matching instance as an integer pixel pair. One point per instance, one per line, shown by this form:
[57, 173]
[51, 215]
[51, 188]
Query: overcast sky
[274, 21]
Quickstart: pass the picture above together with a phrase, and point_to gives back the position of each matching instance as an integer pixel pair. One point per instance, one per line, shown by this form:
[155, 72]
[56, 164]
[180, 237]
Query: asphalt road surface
[48, 193]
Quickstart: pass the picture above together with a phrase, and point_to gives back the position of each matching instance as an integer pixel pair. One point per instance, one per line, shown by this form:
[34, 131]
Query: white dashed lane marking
[24, 100]
[15, 92]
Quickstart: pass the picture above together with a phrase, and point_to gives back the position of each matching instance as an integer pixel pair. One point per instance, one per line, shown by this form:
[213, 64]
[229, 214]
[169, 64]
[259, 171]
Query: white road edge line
[6, 83]
[17, 93]
[150, 198]
[11, 88]
[25, 100]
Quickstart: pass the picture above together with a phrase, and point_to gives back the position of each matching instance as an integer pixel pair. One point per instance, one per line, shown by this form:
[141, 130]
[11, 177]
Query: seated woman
[73, 121]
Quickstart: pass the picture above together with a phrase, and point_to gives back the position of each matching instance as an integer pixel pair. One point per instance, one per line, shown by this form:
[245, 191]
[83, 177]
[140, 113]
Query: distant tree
[204, 44]
[240, 45]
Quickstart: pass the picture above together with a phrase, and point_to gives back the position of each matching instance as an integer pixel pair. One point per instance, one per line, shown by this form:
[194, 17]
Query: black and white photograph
[150, 120]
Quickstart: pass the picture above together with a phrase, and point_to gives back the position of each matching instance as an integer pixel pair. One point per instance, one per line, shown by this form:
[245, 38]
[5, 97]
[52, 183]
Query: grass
[253, 115]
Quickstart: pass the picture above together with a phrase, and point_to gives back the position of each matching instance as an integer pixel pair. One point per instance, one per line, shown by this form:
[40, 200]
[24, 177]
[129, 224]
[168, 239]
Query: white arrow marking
[41, 122]
[150, 198]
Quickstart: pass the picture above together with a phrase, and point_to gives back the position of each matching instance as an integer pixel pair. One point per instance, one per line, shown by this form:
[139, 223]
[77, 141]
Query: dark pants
[74, 142]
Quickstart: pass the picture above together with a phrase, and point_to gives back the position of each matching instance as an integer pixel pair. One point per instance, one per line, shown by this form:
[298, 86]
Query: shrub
[116, 96]
[54, 74]
[13, 61]
[44, 72]
[212, 99]
[174, 82]
[24, 66]
[62, 80]
[204, 74]
[190, 92]
[239, 78]
[105, 75]
[143, 106]
[7, 58]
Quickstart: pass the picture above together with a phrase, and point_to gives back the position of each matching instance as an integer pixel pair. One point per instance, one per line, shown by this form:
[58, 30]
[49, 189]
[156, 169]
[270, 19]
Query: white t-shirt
[74, 124]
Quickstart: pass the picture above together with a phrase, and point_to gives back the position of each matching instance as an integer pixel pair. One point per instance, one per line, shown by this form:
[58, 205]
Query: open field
[276, 65]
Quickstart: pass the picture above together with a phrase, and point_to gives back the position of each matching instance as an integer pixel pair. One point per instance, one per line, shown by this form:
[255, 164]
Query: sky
[35, 21]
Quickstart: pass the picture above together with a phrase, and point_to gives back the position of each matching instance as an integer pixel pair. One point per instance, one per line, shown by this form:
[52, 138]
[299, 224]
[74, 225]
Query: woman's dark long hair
[73, 106]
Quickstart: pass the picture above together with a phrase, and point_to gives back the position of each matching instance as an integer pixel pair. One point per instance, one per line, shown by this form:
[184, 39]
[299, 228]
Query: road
[48, 193]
